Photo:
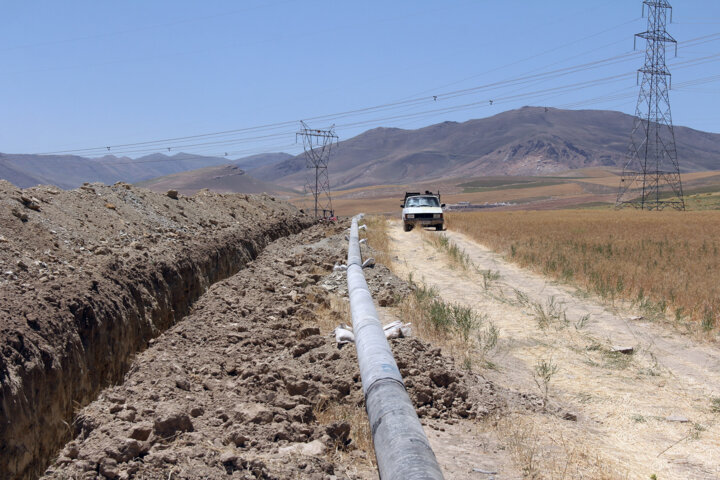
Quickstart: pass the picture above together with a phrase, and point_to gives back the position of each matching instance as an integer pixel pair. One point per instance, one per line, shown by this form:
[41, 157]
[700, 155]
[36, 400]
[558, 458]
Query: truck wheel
[407, 227]
[439, 228]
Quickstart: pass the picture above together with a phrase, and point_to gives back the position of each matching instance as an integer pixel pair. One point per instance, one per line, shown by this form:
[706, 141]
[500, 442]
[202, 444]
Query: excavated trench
[64, 339]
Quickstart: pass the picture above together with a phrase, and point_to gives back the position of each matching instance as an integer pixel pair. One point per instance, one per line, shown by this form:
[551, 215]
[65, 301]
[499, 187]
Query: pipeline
[401, 448]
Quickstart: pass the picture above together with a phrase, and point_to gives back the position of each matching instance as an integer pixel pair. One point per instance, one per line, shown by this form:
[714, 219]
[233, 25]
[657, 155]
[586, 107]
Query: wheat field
[667, 263]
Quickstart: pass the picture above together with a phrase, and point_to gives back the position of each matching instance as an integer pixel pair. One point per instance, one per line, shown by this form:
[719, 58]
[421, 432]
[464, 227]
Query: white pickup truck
[422, 209]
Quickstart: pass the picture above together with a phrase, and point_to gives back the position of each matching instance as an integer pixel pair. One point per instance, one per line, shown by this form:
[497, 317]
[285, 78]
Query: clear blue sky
[78, 74]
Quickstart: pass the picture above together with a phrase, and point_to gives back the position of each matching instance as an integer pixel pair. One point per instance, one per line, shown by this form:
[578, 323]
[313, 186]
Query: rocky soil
[234, 390]
[147, 336]
[89, 277]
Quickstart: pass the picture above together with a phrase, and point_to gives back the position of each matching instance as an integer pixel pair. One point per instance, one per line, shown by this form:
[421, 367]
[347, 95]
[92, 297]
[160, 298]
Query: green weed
[543, 373]
[715, 404]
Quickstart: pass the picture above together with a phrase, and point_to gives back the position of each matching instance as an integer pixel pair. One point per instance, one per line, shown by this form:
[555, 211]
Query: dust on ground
[647, 412]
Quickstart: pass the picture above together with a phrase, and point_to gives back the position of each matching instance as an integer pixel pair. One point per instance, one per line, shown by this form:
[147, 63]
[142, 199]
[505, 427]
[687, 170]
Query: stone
[229, 459]
[115, 398]
[85, 465]
[130, 449]
[71, 450]
[182, 383]
[171, 423]
[141, 432]
[625, 350]
[677, 418]
[312, 449]
[108, 468]
[297, 388]
[286, 403]
[235, 438]
[302, 414]
[253, 413]
[172, 194]
[307, 345]
[30, 202]
[441, 377]
[21, 215]
[197, 411]
[127, 415]
[572, 417]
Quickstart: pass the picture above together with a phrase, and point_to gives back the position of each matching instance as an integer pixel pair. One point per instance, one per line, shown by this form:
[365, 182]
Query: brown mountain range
[527, 141]
[70, 171]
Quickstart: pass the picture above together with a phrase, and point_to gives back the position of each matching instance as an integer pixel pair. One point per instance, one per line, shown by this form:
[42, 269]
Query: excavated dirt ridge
[90, 277]
[235, 389]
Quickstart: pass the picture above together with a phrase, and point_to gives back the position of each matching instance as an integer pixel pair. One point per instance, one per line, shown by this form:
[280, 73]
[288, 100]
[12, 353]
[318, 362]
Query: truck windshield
[422, 202]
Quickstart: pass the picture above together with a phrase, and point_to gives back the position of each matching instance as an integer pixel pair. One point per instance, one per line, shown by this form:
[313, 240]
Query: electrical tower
[651, 177]
[317, 144]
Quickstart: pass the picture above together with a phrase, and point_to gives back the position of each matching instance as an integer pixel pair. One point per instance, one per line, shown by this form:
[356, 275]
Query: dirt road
[649, 412]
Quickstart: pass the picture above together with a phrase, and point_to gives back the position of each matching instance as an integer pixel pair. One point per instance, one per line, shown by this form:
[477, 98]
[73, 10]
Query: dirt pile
[234, 390]
[91, 276]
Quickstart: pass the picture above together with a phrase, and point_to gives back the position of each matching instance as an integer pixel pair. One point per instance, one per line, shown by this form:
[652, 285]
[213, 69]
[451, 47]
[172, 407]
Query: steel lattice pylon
[651, 177]
[317, 144]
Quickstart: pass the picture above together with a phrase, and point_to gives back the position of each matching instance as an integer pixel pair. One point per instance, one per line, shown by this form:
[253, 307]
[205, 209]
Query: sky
[236, 77]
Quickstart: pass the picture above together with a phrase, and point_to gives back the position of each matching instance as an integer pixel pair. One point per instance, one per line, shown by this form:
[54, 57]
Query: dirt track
[637, 415]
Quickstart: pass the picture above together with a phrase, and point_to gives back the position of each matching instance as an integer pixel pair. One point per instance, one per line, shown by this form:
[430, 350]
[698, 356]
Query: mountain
[253, 162]
[526, 141]
[70, 171]
[220, 179]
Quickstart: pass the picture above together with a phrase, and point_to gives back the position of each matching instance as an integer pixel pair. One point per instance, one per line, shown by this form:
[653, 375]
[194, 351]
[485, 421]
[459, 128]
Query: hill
[70, 171]
[219, 179]
[527, 141]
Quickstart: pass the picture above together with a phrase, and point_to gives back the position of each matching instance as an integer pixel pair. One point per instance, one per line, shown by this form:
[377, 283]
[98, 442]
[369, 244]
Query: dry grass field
[584, 188]
[666, 262]
[650, 413]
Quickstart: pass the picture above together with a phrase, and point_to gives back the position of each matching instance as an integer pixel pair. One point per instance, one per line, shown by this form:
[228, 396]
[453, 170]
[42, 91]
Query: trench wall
[99, 327]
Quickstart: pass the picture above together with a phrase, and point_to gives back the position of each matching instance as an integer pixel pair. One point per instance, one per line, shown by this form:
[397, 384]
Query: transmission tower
[651, 177]
[317, 144]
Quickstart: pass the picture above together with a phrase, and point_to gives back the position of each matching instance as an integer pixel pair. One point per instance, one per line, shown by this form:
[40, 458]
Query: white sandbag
[397, 329]
[343, 335]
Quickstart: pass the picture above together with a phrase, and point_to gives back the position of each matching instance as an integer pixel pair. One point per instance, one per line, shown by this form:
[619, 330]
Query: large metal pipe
[401, 448]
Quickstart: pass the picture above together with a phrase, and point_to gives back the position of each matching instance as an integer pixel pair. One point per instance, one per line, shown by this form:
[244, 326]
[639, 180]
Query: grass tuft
[457, 256]
[462, 329]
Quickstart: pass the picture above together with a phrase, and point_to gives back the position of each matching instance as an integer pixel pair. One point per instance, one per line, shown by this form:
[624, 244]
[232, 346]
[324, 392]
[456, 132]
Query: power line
[621, 94]
[239, 136]
[339, 115]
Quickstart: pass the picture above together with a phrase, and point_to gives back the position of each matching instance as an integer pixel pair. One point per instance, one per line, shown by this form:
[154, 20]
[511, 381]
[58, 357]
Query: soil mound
[89, 277]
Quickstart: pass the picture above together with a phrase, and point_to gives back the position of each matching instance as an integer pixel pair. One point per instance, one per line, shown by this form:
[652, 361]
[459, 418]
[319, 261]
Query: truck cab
[424, 209]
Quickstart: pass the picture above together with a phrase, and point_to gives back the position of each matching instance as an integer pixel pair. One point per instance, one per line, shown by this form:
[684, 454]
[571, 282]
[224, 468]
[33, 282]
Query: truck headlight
[410, 215]
[437, 215]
